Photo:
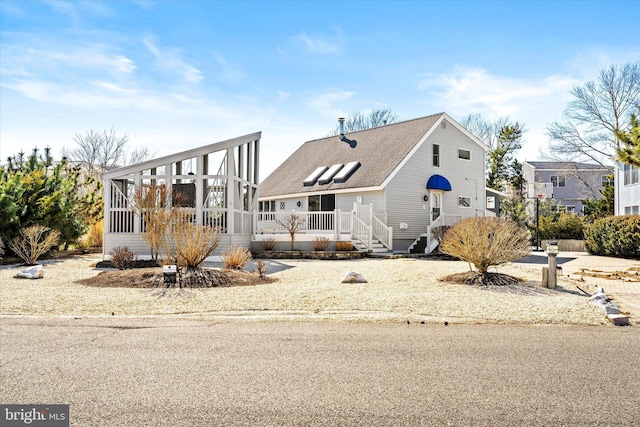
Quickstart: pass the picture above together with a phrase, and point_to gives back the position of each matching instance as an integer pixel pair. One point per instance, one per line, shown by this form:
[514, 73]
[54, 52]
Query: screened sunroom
[217, 184]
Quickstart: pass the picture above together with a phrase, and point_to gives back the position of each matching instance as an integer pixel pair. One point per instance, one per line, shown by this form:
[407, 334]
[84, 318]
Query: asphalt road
[148, 372]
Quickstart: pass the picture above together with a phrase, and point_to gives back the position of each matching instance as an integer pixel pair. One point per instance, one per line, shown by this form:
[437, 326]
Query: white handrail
[362, 232]
[383, 233]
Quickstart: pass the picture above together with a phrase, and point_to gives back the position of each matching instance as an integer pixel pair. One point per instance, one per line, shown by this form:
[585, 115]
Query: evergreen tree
[36, 191]
[629, 150]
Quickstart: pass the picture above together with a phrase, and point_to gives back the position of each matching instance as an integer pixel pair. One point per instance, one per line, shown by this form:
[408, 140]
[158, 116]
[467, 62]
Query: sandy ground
[398, 290]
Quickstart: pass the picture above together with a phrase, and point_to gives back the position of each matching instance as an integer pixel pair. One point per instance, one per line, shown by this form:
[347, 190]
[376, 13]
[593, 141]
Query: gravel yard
[398, 290]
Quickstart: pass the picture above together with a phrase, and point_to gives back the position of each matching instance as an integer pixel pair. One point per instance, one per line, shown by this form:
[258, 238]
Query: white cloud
[535, 102]
[321, 45]
[324, 103]
[475, 90]
[228, 72]
[282, 96]
[169, 60]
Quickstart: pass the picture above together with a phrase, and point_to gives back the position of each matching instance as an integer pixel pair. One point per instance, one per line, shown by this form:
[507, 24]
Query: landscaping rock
[35, 272]
[611, 310]
[351, 277]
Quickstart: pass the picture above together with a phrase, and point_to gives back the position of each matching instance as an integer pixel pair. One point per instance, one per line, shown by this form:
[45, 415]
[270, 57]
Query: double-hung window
[630, 175]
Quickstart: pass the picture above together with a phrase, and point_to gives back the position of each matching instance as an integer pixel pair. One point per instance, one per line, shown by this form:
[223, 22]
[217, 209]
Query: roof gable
[379, 153]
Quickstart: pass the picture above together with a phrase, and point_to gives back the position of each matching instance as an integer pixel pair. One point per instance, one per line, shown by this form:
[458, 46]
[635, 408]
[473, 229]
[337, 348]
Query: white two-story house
[390, 186]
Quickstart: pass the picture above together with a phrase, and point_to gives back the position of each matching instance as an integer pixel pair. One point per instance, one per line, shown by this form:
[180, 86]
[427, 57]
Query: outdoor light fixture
[552, 247]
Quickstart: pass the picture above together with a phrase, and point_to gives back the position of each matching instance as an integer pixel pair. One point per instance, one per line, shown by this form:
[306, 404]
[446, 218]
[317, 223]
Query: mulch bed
[145, 277]
[476, 279]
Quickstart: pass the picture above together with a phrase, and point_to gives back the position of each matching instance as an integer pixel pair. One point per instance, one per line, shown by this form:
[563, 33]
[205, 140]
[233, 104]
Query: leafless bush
[292, 223]
[268, 244]
[344, 246]
[440, 231]
[1, 248]
[262, 268]
[236, 257]
[151, 203]
[33, 242]
[93, 238]
[170, 230]
[486, 242]
[186, 243]
[122, 258]
[320, 243]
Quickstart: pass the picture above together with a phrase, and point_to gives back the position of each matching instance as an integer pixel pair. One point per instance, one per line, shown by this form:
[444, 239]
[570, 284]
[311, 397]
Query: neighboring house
[571, 183]
[627, 189]
[218, 183]
[387, 186]
[494, 198]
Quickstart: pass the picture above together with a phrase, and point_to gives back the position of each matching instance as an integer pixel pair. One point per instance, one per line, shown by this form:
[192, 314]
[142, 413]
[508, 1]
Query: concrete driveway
[156, 372]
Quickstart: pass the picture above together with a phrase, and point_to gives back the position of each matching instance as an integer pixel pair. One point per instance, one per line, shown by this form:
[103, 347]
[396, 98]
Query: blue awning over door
[438, 182]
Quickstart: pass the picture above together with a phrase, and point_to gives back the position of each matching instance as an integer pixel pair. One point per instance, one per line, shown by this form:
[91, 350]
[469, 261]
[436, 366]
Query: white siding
[625, 195]
[138, 246]
[345, 202]
[405, 192]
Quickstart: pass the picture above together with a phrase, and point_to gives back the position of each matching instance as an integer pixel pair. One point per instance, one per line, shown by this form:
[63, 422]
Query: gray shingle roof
[566, 165]
[379, 150]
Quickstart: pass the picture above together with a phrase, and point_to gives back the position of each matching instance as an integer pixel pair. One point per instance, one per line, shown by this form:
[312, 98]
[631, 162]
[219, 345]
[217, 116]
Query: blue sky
[175, 75]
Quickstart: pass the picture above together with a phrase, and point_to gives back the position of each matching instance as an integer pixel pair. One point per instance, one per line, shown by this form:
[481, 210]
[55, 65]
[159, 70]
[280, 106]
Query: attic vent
[346, 172]
[311, 179]
[326, 177]
[443, 124]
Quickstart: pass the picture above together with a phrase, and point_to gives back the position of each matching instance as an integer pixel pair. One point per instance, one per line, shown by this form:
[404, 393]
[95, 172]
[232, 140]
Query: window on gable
[491, 202]
[464, 154]
[607, 180]
[630, 175]
[436, 155]
[464, 202]
[558, 181]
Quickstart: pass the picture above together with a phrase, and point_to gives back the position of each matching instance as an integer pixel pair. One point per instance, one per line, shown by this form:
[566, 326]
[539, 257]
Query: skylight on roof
[326, 177]
[311, 179]
[346, 172]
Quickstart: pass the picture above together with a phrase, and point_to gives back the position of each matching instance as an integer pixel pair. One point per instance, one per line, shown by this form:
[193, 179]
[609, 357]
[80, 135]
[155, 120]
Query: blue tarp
[438, 182]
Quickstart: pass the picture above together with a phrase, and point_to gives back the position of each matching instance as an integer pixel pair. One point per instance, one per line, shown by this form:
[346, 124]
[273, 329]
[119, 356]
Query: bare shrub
[486, 242]
[33, 242]
[262, 268]
[292, 223]
[440, 231]
[268, 244]
[236, 257]
[344, 246]
[122, 258]
[1, 248]
[320, 243]
[151, 203]
[93, 238]
[170, 231]
[186, 243]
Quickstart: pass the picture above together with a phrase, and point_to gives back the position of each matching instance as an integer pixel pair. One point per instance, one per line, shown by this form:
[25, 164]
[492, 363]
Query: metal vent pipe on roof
[341, 121]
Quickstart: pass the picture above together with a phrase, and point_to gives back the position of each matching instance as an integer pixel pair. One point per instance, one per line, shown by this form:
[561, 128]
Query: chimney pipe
[341, 121]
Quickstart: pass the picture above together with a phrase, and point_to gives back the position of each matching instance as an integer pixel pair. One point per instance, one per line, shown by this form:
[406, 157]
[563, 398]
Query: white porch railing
[361, 223]
[362, 232]
[383, 233]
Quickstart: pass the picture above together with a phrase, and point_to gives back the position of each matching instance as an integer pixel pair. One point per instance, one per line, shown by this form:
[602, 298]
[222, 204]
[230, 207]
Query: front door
[436, 204]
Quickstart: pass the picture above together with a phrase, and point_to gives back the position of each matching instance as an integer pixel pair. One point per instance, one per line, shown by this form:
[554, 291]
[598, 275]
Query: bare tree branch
[599, 109]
